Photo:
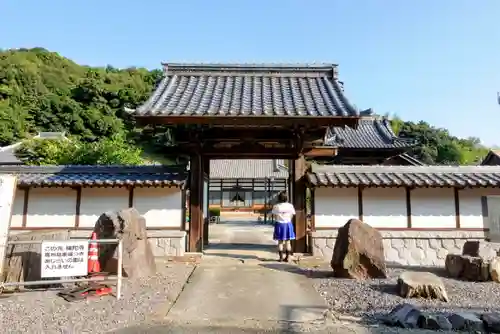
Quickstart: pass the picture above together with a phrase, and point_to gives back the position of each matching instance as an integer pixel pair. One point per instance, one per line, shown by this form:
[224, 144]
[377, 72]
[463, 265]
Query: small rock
[466, 322]
[403, 315]
[475, 269]
[491, 322]
[495, 269]
[483, 249]
[454, 265]
[444, 323]
[428, 321]
[421, 284]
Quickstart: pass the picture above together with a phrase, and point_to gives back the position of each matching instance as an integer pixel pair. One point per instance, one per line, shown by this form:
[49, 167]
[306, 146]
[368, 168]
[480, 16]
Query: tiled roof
[7, 155]
[97, 176]
[371, 133]
[404, 176]
[248, 90]
[411, 160]
[248, 169]
[492, 158]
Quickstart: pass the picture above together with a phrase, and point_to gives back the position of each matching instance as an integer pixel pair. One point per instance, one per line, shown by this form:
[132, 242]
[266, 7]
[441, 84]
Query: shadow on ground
[242, 257]
[240, 246]
[294, 269]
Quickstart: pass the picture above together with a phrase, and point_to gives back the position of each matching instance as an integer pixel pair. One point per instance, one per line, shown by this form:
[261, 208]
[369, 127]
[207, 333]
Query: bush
[107, 151]
[214, 212]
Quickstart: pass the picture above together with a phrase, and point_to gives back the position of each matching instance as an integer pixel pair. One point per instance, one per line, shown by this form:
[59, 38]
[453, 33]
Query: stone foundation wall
[407, 248]
[167, 243]
[163, 242]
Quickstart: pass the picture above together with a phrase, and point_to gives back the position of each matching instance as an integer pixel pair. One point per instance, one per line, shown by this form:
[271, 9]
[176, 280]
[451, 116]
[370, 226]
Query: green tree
[107, 151]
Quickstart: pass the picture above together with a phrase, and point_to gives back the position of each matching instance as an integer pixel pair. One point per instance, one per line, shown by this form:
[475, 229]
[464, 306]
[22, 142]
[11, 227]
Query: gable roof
[492, 158]
[404, 176]
[97, 176]
[409, 159]
[248, 169]
[8, 156]
[248, 90]
[371, 133]
[8, 153]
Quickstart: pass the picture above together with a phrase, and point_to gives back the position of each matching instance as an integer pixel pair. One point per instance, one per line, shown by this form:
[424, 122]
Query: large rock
[421, 284]
[495, 269]
[358, 252]
[130, 227]
[470, 268]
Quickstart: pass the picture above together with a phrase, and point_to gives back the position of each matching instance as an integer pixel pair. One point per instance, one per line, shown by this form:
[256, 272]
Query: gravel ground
[372, 298]
[44, 312]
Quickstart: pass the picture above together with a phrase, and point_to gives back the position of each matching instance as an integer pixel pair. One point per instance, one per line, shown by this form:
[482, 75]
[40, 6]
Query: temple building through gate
[248, 112]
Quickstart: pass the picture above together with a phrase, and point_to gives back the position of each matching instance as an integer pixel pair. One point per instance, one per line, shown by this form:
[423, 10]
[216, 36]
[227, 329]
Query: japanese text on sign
[64, 258]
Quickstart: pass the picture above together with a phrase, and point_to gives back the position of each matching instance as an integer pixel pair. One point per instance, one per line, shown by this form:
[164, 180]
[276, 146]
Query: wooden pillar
[196, 203]
[299, 202]
[206, 221]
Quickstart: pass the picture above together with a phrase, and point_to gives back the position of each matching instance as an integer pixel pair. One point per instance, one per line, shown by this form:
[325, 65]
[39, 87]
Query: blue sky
[432, 60]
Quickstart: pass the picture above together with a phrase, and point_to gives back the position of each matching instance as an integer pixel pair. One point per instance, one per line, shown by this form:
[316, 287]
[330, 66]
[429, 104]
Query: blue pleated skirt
[283, 231]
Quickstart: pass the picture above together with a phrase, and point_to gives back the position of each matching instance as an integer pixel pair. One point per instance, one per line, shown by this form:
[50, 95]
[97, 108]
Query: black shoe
[281, 256]
[286, 257]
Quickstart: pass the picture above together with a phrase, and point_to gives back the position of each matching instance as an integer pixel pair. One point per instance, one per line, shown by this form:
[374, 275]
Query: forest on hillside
[44, 91]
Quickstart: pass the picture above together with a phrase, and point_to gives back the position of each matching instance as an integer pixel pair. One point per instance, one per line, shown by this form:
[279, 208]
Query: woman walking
[283, 227]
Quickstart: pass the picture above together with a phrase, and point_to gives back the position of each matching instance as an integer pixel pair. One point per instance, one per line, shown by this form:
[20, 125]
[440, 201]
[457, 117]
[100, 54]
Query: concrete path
[239, 280]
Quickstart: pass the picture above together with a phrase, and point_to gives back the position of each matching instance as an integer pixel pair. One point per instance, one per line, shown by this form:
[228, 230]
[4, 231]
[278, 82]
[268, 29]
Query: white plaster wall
[17, 209]
[333, 207]
[96, 201]
[433, 208]
[471, 207]
[385, 207]
[51, 207]
[162, 207]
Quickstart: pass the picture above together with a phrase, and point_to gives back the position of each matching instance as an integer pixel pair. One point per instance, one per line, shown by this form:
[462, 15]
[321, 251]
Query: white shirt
[283, 212]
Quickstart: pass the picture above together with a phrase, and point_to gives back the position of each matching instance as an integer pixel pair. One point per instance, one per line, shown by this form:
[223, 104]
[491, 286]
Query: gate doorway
[241, 195]
[247, 112]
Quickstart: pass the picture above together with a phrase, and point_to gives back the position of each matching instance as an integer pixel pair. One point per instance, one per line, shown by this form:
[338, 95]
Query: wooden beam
[408, 207]
[25, 206]
[131, 197]
[217, 134]
[320, 151]
[206, 177]
[196, 203]
[457, 207]
[269, 121]
[183, 209]
[299, 202]
[236, 152]
[360, 203]
[78, 206]
[313, 209]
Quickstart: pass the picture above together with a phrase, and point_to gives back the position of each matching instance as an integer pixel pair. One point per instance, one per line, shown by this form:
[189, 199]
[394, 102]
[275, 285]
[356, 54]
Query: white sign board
[64, 258]
[8, 184]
